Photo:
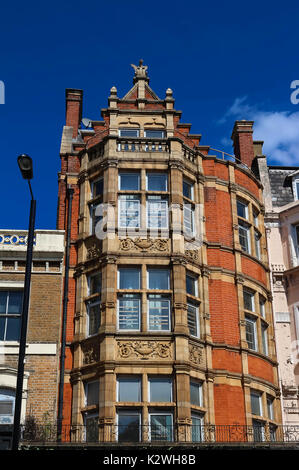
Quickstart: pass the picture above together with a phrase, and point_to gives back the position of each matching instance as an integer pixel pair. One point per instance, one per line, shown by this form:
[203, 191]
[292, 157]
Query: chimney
[243, 142]
[73, 102]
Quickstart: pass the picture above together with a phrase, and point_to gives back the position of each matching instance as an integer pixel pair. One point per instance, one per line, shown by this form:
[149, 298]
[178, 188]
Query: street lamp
[26, 167]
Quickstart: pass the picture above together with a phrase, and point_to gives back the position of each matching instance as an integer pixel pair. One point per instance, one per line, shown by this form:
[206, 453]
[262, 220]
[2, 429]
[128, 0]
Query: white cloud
[279, 130]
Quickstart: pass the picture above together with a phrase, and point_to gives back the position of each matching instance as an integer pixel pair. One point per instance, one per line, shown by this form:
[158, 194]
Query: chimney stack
[73, 102]
[243, 141]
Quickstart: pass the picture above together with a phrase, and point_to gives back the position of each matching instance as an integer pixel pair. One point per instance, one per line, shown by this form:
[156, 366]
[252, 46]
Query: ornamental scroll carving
[93, 251]
[144, 349]
[90, 354]
[143, 244]
[195, 353]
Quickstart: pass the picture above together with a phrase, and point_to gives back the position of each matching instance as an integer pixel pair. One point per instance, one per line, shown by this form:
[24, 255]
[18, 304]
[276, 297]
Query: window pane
[129, 132]
[97, 187]
[257, 240]
[13, 326]
[250, 333]
[262, 307]
[2, 328]
[129, 313]
[187, 189]
[191, 285]
[91, 428]
[95, 284]
[197, 428]
[156, 182]
[188, 218]
[159, 313]
[129, 181]
[256, 403]
[160, 389]
[161, 427]
[195, 393]
[248, 300]
[242, 210]
[129, 389]
[15, 302]
[94, 318]
[92, 393]
[265, 339]
[157, 212]
[3, 301]
[270, 408]
[192, 319]
[7, 401]
[129, 211]
[129, 278]
[244, 236]
[156, 134]
[158, 279]
[128, 427]
[258, 431]
[297, 188]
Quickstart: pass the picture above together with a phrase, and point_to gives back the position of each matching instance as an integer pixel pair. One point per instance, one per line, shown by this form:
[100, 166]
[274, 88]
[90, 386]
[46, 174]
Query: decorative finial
[140, 70]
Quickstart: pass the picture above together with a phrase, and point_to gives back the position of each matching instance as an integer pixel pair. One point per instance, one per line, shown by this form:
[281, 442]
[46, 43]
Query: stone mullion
[183, 407]
[179, 297]
[109, 300]
[143, 299]
[107, 409]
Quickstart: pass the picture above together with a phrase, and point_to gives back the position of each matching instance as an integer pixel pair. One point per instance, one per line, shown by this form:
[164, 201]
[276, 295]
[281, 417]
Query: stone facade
[281, 221]
[44, 322]
[127, 333]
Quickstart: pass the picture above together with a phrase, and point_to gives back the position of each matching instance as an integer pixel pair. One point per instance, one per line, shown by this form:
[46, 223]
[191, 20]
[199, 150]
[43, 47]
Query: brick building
[169, 323]
[43, 333]
[281, 185]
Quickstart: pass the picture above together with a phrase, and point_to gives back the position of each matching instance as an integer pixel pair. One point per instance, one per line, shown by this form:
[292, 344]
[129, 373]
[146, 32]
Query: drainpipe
[70, 193]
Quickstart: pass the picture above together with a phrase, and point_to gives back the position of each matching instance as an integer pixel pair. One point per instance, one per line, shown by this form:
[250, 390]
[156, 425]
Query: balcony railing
[126, 144]
[94, 433]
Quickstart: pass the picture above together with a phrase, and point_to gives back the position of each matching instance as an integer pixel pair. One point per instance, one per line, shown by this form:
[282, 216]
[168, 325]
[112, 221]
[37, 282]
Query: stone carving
[140, 70]
[143, 244]
[192, 254]
[144, 349]
[195, 353]
[93, 251]
[90, 355]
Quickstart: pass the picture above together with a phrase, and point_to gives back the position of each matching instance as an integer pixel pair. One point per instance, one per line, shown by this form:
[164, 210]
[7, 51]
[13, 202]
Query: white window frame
[89, 304]
[245, 204]
[120, 267]
[125, 412]
[200, 392]
[260, 400]
[199, 417]
[252, 321]
[295, 181]
[135, 297]
[195, 278]
[189, 209]
[163, 213]
[196, 313]
[128, 378]
[246, 233]
[8, 316]
[162, 379]
[86, 387]
[252, 296]
[160, 413]
[162, 298]
[157, 269]
[264, 331]
[157, 174]
[135, 173]
[129, 129]
[121, 199]
[191, 184]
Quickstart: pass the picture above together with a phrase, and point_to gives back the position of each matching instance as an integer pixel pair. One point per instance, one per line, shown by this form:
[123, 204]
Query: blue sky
[223, 61]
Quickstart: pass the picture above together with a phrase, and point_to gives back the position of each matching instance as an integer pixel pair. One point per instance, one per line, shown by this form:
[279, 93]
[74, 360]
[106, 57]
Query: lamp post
[26, 167]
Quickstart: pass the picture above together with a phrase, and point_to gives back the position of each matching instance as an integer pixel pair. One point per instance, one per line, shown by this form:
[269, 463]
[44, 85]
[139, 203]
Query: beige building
[281, 190]
[43, 333]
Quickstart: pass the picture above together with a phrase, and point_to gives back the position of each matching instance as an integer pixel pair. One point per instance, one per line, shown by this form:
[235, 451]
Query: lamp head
[26, 167]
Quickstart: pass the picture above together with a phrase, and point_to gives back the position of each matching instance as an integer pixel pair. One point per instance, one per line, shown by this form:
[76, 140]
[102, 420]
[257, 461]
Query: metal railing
[97, 433]
[137, 144]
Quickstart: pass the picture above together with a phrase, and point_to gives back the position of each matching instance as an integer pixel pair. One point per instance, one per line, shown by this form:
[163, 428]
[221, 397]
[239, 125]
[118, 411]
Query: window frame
[9, 316]
[258, 395]
[160, 413]
[163, 297]
[132, 296]
[128, 268]
[160, 379]
[133, 198]
[197, 322]
[160, 173]
[250, 319]
[161, 199]
[199, 391]
[128, 412]
[129, 173]
[129, 378]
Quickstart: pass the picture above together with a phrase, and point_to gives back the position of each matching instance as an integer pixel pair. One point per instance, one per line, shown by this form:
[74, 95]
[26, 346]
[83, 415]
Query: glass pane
[98, 187]
[250, 333]
[159, 310]
[2, 328]
[129, 278]
[157, 212]
[156, 182]
[129, 211]
[191, 285]
[155, 134]
[258, 431]
[15, 302]
[255, 404]
[187, 190]
[3, 301]
[244, 237]
[161, 427]
[129, 389]
[128, 427]
[94, 315]
[197, 430]
[242, 209]
[129, 181]
[195, 394]
[248, 300]
[160, 390]
[270, 408]
[265, 339]
[92, 429]
[13, 329]
[188, 218]
[95, 284]
[192, 319]
[129, 132]
[92, 393]
[158, 279]
[129, 313]
[297, 187]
